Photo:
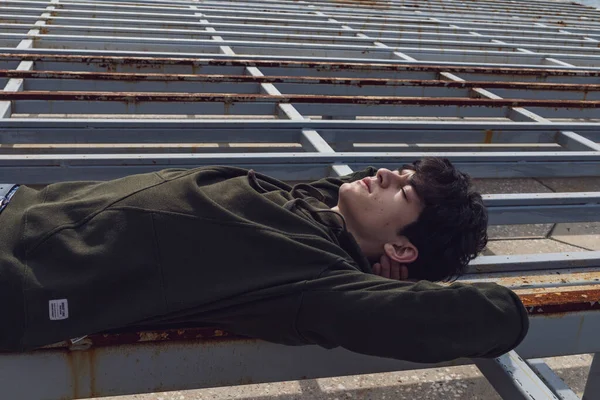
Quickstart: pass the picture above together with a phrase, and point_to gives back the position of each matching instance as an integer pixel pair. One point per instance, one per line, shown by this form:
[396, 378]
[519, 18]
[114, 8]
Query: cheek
[381, 211]
[409, 216]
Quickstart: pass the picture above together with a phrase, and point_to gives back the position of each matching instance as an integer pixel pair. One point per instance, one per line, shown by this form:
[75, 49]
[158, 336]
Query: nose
[389, 178]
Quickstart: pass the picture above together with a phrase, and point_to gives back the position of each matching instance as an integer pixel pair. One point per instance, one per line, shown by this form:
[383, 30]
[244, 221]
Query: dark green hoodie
[229, 248]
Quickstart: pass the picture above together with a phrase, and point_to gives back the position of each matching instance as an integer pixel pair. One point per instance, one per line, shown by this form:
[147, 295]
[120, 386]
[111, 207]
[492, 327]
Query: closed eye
[404, 194]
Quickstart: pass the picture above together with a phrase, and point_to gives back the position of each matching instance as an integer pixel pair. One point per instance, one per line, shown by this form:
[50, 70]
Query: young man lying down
[323, 263]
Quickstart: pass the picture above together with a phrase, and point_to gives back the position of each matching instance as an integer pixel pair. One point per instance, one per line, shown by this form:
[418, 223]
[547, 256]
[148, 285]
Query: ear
[401, 250]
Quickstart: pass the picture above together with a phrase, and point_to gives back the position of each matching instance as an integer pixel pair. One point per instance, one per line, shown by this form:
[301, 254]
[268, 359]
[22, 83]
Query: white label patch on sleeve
[59, 309]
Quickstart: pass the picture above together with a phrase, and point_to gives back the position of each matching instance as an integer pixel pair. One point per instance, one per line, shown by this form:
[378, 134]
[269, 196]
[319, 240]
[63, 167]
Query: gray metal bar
[550, 199]
[573, 141]
[408, 46]
[312, 34]
[293, 166]
[546, 34]
[592, 387]
[383, 125]
[532, 281]
[343, 139]
[513, 378]
[533, 262]
[543, 214]
[248, 48]
[319, 158]
[558, 387]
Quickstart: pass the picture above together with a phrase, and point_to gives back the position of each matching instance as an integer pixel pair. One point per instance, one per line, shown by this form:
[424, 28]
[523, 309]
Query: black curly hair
[452, 228]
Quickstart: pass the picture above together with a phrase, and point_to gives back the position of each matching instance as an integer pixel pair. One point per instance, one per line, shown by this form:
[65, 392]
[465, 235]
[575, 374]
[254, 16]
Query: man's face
[380, 206]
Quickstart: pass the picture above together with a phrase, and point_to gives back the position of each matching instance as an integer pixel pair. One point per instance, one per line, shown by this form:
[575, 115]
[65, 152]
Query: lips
[367, 183]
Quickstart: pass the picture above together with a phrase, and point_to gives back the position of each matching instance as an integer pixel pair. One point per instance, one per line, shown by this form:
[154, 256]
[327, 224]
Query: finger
[377, 269]
[403, 273]
[384, 260]
[395, 272]
[385, 268]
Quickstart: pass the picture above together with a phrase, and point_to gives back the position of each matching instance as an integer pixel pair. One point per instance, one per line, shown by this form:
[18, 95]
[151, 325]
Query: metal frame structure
[301, 89]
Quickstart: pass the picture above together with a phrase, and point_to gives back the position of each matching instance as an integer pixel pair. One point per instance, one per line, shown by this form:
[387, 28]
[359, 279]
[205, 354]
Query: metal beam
[592, 387]
[171, 124]
[360, 82]
[572, 141]
[335, 63]
[513, 378]
[46, 168]
[534, 262]
[558, 387]
[66, 374]
[299, 99]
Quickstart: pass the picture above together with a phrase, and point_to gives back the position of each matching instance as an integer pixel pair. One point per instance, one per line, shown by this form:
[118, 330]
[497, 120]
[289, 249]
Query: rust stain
[561, 302]
[82, 365]
[205, 335]
[92, 366]
[229, 98]
[512, 281]
[73, 368]
[488, 136]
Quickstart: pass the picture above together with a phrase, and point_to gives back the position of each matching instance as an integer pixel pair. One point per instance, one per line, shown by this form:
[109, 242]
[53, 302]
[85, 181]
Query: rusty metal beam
[133, 97]
[369, 67]
[143, 367]
[560, 302]
[214, 78]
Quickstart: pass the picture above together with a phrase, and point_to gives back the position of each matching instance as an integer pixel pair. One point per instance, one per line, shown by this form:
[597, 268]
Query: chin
[345, 190]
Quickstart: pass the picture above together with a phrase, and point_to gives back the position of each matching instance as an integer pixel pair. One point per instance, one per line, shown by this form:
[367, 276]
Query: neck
[371, 250]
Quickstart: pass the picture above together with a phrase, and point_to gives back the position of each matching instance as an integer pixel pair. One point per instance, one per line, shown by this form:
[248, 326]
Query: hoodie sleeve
[330, 186]
[419, 322]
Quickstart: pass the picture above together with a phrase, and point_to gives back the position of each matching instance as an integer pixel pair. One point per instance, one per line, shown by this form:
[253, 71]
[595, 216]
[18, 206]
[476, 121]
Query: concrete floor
[440, 383]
